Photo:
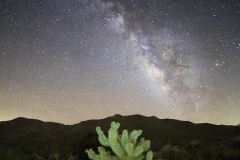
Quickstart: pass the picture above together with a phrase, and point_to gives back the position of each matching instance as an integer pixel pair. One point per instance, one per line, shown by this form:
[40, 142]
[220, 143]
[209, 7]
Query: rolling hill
[31, 134]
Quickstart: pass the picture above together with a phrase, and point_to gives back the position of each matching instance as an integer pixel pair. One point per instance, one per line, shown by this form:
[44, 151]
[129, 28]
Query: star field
[69, 61]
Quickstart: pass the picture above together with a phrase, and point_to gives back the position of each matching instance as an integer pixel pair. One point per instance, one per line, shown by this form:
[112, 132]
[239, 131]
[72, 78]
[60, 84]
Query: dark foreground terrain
[20, 138]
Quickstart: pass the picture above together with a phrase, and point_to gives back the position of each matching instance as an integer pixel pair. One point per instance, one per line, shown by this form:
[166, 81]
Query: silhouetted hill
[31, 134]
[162, 130]
[23, 131]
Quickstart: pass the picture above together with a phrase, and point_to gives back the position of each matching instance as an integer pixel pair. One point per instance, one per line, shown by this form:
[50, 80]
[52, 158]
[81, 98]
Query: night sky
[73, 60]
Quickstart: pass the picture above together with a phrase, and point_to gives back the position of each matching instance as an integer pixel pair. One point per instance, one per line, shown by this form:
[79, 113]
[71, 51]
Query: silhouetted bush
[169, 152]
[88, 141]
[12, 154]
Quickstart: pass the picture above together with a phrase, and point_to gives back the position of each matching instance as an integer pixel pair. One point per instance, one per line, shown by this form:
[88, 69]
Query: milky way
[68, 61]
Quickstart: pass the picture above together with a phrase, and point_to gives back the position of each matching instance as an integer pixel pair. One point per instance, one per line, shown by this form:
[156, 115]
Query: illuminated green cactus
[124, 146]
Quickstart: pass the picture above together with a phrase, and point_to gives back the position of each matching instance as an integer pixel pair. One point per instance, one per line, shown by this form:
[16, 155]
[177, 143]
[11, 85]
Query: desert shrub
[34, 156]
[51, 157]
[231, 154]
[65, 151]
[71, 158]
[195, 144]
[236, 140]
[169, 152]
[88, 141]
[218, 153]
[12, 154]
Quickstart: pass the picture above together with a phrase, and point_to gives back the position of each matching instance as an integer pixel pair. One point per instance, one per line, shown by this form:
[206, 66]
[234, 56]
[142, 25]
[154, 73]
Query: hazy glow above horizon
[68, 61]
